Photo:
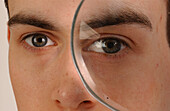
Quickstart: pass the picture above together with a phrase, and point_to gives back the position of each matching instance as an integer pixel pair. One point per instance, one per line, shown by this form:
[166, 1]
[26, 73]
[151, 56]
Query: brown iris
[39, 40]
[111, 45]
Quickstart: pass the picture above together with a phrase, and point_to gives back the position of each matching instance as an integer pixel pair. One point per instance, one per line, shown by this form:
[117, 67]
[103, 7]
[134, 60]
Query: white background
[7, 101]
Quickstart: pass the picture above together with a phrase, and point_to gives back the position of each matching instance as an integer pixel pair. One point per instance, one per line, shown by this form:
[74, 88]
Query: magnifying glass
[95, 49]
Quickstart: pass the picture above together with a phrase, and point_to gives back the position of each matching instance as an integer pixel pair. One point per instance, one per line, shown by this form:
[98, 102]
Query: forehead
[63, 10]
[66, 5]
[72, 3]
[48, 7]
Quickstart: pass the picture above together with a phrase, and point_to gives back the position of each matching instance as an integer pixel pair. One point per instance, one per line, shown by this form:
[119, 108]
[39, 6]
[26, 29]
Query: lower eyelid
[32, 48]
[108, 58]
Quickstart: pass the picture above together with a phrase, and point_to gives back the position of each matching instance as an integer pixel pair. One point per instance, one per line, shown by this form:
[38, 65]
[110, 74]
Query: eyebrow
[107, 18]
[123, 16]
[32, 20]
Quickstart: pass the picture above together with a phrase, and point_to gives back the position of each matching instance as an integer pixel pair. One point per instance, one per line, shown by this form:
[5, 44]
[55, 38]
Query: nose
[70, 95]
[70, 92]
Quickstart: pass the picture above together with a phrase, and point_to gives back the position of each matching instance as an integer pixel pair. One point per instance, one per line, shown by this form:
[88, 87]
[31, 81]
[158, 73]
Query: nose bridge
[70, 74]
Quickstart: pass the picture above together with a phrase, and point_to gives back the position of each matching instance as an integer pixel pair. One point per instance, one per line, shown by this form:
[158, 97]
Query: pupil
[39, 40]
[111, 45]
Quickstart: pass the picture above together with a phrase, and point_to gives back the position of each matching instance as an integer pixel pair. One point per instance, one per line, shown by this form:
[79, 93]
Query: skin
[45, 79]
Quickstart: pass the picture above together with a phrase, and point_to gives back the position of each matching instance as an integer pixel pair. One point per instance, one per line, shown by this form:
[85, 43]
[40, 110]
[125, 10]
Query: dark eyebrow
[36, 21]
[123, 16]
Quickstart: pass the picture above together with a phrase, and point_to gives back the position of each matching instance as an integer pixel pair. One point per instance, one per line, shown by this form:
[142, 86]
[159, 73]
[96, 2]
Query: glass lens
[97, 52]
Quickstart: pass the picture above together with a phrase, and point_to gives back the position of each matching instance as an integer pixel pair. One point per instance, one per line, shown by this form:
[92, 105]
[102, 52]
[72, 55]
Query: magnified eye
[38, 40]
[108, 45]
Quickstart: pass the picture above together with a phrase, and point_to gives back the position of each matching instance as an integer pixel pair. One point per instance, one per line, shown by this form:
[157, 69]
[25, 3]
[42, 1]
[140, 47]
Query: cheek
[132, 83]
[24, 85]
[24, 78]
[31, 78]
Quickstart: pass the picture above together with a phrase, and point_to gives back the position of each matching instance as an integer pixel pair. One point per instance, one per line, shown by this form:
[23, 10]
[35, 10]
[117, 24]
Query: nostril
[87, 104]
[57, 101]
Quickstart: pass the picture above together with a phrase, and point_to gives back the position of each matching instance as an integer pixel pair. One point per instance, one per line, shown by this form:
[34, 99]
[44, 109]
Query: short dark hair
[6, 5]
[168, 21]
[168, 18]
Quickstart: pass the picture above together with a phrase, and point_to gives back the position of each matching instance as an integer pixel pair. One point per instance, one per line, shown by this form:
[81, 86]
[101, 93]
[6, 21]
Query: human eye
[38, 40]
[108, 45]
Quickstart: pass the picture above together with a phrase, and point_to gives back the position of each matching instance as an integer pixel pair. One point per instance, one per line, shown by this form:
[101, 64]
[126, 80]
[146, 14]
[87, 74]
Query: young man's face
[44, 78]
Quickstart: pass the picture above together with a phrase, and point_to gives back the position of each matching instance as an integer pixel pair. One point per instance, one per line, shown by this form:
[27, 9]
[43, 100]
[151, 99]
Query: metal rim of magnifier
[76, 65]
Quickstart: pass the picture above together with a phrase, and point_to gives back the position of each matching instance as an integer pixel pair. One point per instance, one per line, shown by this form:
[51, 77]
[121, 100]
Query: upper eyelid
[32, 34]
[114, 36]
[125, 39]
